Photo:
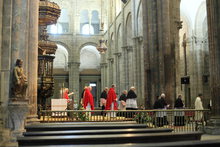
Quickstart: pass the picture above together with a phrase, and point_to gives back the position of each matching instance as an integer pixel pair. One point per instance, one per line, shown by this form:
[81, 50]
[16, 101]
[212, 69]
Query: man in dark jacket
[103, 99]
[179, 115]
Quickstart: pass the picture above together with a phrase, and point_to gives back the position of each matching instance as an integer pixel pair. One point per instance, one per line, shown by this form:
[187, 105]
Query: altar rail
[181, 120]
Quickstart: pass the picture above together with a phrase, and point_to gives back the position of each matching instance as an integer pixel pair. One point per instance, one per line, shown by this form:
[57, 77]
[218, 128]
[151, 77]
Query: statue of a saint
[19, 81]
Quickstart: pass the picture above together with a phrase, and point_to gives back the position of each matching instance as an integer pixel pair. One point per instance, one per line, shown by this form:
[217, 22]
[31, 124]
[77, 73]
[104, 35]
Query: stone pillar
[111, 71]
[130, 66]
[138, 71]
[5, 57]
[213, 15]
[125, 63]
[103, 67]
[20, 13]
[159, 48]
[33, 60]
[117, 71]
[74, 80]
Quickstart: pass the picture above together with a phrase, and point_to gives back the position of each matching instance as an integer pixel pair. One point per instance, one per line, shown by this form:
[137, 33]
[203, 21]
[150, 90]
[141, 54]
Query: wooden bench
[61, 127]
[108, 139]
[96, 132]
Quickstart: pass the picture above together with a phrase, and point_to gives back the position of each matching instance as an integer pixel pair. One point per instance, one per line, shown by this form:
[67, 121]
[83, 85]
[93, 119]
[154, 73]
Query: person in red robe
[66, 94]
[111, 103]
[88, 102]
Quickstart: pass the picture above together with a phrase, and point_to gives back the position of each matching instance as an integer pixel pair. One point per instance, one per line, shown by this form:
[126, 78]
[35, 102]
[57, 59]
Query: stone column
[103, 75]
[130, 66]
[125, 82]
[213, 15]
[74, 80]
[159, 48]
[5, 57]
[138, 71]
[20, 13]
[111, 70]
[33, 60]
[117, 71]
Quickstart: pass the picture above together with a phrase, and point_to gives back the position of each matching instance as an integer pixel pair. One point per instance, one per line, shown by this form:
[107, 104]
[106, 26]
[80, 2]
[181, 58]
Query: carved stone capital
[102, 65]
[118, 54]
[111, 60]
[73, 63]
[128, 48]
[138, 38]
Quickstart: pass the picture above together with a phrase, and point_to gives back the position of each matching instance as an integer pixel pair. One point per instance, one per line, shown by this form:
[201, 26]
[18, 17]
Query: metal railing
[181, 120]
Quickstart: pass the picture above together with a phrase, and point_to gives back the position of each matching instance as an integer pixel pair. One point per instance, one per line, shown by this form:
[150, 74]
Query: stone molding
[128, 48]
[73, 64]
[138, 38]
[111, 60]
[118, 54]
[102, 65]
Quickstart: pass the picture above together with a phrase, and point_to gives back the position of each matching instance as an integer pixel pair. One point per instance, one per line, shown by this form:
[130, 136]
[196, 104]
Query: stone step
[95, 132]
[108, 139]
[60, 127]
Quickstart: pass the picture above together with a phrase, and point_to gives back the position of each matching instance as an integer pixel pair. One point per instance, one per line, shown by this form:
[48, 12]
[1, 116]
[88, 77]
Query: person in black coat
[103, 99]
[161, 117]
[179, 119]
[122, 100]
[131, 102]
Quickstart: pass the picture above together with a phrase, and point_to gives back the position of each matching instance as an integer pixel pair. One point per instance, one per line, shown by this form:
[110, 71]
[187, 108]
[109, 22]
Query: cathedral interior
[157, 46]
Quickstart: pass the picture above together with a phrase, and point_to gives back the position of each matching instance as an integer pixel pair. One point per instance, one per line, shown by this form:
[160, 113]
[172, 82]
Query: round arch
[119, 38]
[199, 20]
[89, 58]
[139, 21]
[128, 29]
[61, 57]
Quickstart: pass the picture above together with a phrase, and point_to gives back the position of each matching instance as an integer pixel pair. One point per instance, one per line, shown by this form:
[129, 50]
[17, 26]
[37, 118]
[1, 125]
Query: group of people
[109, 100]
[179, 119]
[127, 100]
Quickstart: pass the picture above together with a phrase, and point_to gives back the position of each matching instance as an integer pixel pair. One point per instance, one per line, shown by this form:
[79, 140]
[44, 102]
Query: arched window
[55, 29]
[89, 26]
[87, 29]
[95, 21]
[84, 22]
[62, 25]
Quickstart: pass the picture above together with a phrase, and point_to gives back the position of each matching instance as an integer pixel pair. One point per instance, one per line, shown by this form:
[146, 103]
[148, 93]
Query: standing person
[122, 100]
[179, 119]
[103, 99]
[88, 102]
[66, 95]
[131, 102]
[81, 99]
[164, 106]
[111, 103]
[159, 115]
[198, 106]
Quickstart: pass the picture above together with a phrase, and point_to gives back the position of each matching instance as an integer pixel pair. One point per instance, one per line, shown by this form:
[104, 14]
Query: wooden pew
[60, 127]
[96, 132]
[108, 139]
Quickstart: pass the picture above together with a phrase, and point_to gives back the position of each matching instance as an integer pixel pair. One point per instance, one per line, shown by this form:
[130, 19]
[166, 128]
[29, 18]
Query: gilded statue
[19, 81]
